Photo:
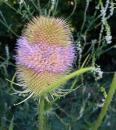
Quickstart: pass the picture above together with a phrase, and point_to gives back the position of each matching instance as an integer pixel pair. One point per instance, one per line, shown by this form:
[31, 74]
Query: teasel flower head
[45, 53]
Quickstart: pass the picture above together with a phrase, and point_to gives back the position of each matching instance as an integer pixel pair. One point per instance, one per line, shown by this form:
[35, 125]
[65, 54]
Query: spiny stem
[41, 113]
[106, 104]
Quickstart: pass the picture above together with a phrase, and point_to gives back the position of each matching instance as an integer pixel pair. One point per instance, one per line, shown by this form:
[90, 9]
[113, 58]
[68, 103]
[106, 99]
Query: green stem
[41, 113]
[106, 104]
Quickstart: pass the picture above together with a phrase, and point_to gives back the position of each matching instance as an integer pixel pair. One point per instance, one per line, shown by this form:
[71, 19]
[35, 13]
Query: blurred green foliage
[80, 109]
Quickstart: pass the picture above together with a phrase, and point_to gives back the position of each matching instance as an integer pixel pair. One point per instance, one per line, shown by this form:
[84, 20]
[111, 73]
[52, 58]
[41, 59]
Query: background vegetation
[93, 24]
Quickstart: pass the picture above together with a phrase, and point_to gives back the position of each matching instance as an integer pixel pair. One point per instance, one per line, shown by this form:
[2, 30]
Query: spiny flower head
[48, 30]
[45, 53]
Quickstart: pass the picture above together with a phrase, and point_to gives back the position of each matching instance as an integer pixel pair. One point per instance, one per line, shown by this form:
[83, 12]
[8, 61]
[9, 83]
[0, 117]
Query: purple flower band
[44, 57]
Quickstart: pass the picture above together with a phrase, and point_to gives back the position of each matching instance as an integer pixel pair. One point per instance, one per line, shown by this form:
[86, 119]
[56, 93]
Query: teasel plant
[44, 58]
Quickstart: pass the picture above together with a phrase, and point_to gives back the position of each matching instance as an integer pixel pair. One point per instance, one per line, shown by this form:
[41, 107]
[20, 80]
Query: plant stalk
[41, 113]
[106, 104]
